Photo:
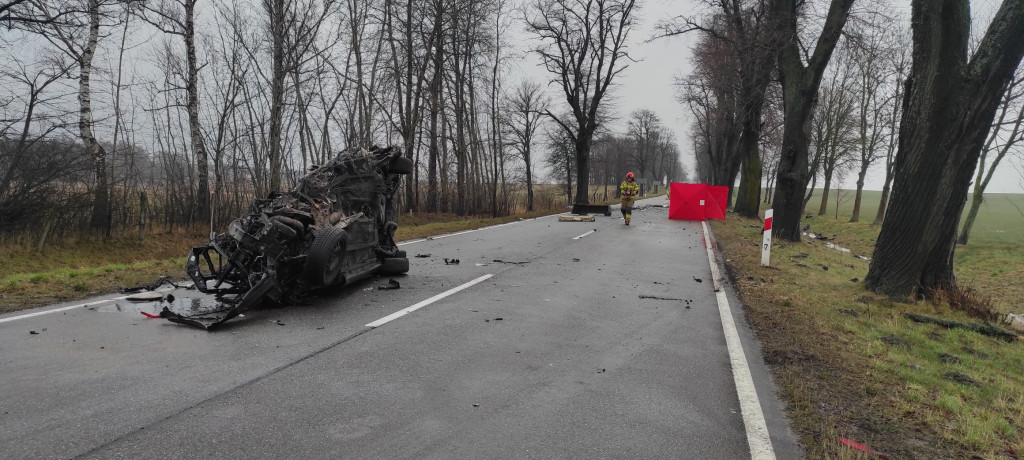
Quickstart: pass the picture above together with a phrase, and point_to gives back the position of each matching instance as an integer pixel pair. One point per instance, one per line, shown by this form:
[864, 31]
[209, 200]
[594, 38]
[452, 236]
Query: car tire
[326, 256]
[394, 266]
[400, 165]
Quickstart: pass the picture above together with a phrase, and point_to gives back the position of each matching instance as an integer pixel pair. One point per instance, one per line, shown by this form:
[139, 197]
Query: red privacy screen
[697, 201]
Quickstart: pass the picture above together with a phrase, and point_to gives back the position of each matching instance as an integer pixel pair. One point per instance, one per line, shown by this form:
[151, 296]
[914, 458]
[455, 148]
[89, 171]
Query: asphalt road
[551, 354]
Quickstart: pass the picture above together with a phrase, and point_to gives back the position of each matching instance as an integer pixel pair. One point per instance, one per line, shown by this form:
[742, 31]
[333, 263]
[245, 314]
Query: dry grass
[85, 268]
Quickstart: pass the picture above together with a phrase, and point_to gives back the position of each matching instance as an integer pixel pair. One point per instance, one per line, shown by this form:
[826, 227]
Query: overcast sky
[649, 84]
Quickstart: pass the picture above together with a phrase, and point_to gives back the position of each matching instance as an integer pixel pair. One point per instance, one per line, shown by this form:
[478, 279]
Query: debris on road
[149, 315]
[150, 296]
[152, 287]
[33, 333]
[391, 284]
[587, 218]
[422, 256]
[642, 296]
[697, 279]
[499, 261]
[448, 261]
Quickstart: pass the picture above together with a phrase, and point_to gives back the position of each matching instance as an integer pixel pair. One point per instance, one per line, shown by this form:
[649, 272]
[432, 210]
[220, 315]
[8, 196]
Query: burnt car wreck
[335, 227]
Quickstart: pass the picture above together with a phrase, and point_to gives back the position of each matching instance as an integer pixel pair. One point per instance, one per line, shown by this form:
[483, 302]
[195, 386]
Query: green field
[992, 262]
[1001, 218]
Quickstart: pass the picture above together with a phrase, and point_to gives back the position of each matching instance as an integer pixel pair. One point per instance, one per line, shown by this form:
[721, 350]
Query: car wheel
[400, 165]
[394, 266]
[325, 257]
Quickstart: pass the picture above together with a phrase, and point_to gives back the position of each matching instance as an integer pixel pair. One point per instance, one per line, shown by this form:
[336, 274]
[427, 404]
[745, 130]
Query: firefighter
[629, 190]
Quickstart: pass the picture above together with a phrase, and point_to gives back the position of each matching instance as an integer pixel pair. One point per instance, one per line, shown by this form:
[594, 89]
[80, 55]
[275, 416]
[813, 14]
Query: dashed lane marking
[407, 310]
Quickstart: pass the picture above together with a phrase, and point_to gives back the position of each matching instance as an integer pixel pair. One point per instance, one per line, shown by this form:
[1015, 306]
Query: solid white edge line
[584, 235]
[407, 310]
[758, 438]
[55, 310]
[70, 307]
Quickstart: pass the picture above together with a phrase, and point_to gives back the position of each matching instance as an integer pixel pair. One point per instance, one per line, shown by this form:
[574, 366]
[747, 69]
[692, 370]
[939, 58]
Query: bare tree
[526, 107]
[645, 129]
[177, 17]
[800, 82]
[294, 27]
[1006, 133]
[77, 37]
[738, 35]
[409, 71]
[833, 128]
[561, 158]
[951, 102]
[869, 54]
[898, 64]
[583, 44]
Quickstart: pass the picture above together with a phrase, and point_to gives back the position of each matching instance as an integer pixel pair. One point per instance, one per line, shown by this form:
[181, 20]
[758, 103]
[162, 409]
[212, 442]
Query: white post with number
[766, 240]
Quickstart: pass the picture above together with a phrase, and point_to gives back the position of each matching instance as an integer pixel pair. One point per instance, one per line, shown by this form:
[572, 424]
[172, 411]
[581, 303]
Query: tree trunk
[965, 233]
[855, 217]
[278, 75]
[950, 106]
[791, 180]
[880, 215]
[748, 197]
[823, 207]
[529, 179]
[192, 87]
[800, 88]
[583, 142]
[100, 220]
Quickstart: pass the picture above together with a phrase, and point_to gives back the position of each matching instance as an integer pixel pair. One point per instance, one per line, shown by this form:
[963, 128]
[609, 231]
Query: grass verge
[849, 365]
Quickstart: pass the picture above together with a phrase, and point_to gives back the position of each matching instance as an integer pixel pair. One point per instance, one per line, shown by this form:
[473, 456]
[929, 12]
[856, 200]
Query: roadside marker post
[766, 240]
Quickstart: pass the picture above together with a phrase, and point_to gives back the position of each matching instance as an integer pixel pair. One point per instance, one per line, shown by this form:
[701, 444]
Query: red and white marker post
[766, 240]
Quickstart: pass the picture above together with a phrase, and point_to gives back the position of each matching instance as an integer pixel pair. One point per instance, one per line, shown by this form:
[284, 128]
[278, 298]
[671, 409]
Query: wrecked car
[335, 227]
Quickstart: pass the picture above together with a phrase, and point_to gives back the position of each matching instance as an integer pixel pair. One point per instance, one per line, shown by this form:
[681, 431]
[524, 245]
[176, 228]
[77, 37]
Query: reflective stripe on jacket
[629, 189]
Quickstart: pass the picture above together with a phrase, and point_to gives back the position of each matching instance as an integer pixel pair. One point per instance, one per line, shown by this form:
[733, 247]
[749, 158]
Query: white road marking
[407, 310]
[55, 310]
[753, 419]
[72, 307]
[584, 235]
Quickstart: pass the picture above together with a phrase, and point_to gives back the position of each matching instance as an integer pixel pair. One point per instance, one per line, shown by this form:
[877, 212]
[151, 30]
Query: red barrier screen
[697, 201]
